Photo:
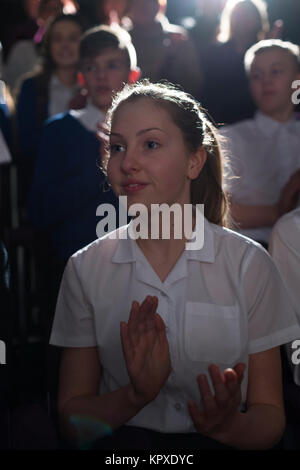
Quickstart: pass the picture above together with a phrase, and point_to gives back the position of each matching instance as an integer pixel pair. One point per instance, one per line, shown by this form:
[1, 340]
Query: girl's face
[64, 43]
[149, 162]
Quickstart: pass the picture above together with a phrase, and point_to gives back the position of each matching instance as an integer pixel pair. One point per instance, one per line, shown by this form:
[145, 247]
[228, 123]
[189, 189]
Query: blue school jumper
[68, 185]
[29, 128]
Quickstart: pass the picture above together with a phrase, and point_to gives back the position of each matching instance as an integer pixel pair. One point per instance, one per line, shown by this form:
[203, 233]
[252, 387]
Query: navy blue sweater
[68, 185]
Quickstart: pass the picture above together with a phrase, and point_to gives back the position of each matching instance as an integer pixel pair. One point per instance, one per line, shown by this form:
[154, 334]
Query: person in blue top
[49, 90]
[68, 184]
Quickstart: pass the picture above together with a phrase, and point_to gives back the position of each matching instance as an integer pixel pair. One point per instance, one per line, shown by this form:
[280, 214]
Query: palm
[146, 349]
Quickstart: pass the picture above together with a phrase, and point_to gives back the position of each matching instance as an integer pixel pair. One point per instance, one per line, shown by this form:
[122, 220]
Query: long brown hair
[197, 131]
[44, 72]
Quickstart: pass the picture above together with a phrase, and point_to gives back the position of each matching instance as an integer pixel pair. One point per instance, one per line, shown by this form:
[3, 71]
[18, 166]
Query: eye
[152, 145]
[113, 65]
[255, 76]
[116, 148]
[89, 68]
[276, 71]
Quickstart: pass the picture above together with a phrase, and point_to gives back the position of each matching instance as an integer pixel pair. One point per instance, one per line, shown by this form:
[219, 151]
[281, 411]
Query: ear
[196, 163]
[134, 75]
[80, 79]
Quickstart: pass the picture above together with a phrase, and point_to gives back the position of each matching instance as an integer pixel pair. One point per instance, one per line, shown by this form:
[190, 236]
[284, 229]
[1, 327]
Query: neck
[283, 115]
[67, 75]
[166, 248]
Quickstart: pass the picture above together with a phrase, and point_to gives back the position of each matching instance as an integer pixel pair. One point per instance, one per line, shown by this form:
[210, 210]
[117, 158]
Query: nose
[130, 162]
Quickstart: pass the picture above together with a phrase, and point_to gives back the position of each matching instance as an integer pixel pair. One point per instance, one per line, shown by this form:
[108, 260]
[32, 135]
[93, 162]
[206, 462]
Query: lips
[133, 187]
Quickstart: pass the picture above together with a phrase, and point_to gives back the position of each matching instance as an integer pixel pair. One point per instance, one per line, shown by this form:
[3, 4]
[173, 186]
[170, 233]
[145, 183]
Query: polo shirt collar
[125, 252]
[89, 117]
[268, 126]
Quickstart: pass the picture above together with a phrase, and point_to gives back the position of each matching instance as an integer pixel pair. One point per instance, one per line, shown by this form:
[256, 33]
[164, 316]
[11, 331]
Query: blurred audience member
[67, 185]
[226, 92]
[285, 249]
[50, 90]
[24, 55]
[97, 12]
[164, 51]
[264, 152]
[23, 26]
[207, 25]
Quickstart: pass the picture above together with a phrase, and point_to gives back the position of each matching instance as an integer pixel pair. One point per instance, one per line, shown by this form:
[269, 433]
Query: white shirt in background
[263, 154]
[59, 96]
[219, 305]
[89, 117]
[285, 249]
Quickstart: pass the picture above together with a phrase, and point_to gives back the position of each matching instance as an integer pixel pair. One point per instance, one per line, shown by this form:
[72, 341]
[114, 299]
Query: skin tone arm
[266, 216]
[262, 426]
[254, 216]
[146, 353]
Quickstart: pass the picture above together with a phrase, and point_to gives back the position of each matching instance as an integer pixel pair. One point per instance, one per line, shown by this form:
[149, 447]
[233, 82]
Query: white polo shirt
[263, 154]
[219, 304]
[285, 249]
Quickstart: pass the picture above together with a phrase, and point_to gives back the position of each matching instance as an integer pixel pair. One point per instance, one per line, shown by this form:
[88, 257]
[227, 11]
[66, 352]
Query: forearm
[100, 414]
[254, 216]
[261, 427]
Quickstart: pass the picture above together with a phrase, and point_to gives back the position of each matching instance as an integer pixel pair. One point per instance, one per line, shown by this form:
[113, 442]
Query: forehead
[273, 56]
[142, 113]
[108, 54]
[66, 27]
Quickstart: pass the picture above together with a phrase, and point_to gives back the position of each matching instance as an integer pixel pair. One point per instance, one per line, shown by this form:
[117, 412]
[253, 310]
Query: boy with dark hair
[68, 184]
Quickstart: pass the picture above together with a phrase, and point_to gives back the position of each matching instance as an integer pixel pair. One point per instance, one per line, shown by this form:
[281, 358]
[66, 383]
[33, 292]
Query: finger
[133, 331]
[126, 342]
[133, 316]
[197, 417]
[150, 314]
[222, 395]
[234, 378]
[209, 403]
[143, 313]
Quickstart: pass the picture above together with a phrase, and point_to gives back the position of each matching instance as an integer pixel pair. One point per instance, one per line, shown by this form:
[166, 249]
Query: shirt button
[177, 406]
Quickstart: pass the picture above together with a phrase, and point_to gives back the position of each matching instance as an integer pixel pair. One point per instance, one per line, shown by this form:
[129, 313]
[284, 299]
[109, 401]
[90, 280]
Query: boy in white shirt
[264, 152]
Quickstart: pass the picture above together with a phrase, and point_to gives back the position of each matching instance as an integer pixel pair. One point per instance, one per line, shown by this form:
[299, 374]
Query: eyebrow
[255, 66]
[143, 131]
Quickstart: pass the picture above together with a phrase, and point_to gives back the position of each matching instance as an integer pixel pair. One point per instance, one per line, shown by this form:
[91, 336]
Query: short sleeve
[73, 324]
[272, 320]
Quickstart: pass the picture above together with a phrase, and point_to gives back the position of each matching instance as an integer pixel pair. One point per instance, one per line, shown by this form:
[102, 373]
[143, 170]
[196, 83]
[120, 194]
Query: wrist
[135, 401]
[232, 429]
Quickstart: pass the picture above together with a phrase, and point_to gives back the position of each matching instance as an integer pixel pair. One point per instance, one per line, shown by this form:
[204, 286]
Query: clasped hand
[221, 410]
[146, 352]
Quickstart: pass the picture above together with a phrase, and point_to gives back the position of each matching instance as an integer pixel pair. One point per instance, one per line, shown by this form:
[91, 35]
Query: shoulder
[242, 128]
[236, 249]
[63, 122]
[287, 229]
[100, 251]
[29, 84]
